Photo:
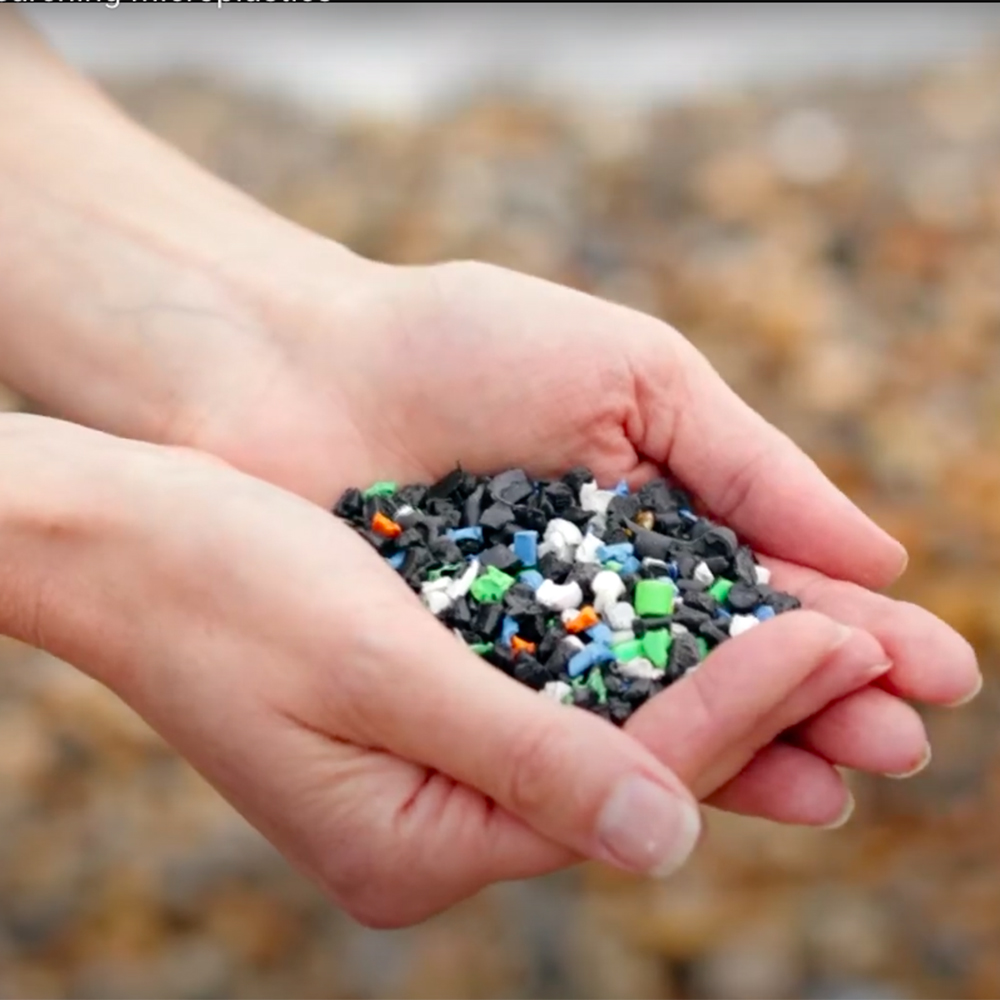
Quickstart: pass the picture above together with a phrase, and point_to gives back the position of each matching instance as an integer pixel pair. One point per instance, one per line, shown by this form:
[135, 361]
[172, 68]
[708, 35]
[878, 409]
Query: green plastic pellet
[482, 648]
[383, 489]
[720, 589]
[596, 684]
[436, 574]
[631, 649]
[654, 598]
[656, 645]
[702, 647]
[491, 586]
[567, 698]
[615, 567]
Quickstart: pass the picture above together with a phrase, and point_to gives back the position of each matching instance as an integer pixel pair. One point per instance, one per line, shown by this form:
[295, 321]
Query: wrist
[133, 284]
[61, 510]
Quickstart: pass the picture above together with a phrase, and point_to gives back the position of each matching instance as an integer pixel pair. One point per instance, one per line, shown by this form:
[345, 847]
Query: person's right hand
[283, 657]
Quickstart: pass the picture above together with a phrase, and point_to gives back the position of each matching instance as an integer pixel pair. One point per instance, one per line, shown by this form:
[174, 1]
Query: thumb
[571, 776]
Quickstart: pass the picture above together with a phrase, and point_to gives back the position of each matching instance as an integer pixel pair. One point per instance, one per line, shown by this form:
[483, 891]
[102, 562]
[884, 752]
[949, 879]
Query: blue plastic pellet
[525, 547]
[508, 630]
[615, 553]
[673, 570]
[763, 613]
[465, 534]
[396, 561]
[532, 578]
[688, 515]
[631, 565]
[622, 489]
[588, 657]
[600, 633]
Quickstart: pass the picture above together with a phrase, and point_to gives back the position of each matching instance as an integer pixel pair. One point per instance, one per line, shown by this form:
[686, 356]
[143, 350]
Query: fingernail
[971, 696]
[903, 563]
[924, 761]
[842, 635]
[878, 670]
[845, 815]
[647, 829]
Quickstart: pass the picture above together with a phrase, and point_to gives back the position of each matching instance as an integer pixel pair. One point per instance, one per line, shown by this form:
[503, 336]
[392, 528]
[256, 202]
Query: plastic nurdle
[720, 589]
[656, 646]
[383, 489]
[654, 598]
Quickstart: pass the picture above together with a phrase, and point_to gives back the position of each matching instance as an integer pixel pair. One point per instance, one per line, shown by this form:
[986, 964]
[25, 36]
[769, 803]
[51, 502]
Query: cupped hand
[302, 677]
[341, 372]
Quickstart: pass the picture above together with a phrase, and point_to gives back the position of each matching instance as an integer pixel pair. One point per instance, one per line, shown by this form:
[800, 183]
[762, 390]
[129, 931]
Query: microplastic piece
[559, 597]
[383, 489]
[655, 646]
[720, 589]
[526, 547]
[654, 598]
[741, 624]
[639, 668]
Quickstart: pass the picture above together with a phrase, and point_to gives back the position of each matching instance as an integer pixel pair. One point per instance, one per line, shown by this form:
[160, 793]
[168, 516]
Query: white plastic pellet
[563, 529]
[598, 525]
[741, 624]
[442, 583]
[461, 585]
[607, 587]
[437, 602]
[620, 616]
[639, 669]
[556, 690]
[594, 499]
[623, 635]
[405, 511]
[559, 597]
[703, 574]
[586, 551]
[650, 563]
[676, 630]
[568, 615]
[574, 642]
[763, 575]
[561, 539]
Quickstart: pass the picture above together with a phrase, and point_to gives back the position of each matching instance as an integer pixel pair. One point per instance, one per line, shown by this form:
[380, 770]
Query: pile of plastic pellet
[595, 597]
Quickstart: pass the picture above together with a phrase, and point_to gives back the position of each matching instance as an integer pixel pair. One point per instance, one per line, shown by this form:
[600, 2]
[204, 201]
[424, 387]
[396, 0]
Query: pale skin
[197, 572]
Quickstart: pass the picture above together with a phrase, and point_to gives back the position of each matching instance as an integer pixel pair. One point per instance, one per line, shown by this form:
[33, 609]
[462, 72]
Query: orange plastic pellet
[385, 526]
[520, 645]
[587, 618]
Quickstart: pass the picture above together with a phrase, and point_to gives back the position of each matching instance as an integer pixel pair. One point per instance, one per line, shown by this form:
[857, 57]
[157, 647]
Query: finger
[390, 842]
[870, 730]
[748, 473]
[422, 695]
[787, 785]
[931, 662]
[711, 723]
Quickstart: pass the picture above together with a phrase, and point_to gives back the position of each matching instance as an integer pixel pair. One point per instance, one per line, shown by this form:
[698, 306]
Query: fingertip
[844, 816]
[973, 693]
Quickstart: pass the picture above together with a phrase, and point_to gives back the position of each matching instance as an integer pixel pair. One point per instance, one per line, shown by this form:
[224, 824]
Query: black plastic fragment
[684, 654]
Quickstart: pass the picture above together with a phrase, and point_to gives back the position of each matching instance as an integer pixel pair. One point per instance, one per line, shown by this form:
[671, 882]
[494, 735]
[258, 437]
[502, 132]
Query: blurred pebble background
[834, 246]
